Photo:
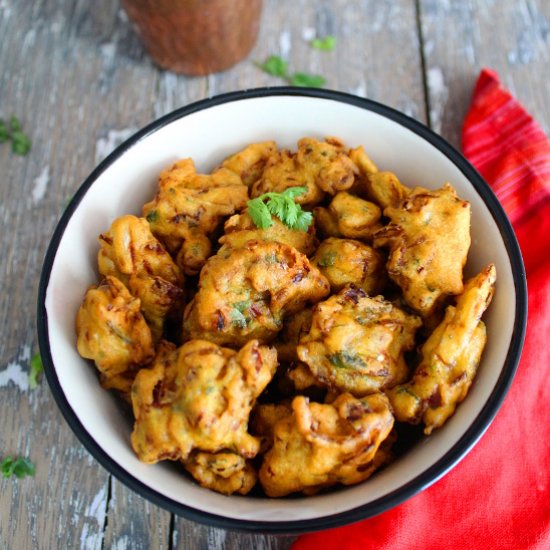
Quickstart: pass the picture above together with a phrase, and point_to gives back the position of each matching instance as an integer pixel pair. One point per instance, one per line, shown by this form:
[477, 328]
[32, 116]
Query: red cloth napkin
[498, 497]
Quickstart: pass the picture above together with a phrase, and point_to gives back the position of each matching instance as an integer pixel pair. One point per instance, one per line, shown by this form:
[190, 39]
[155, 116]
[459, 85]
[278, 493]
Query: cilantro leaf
[274, 65]
[307, 80]
[36, 369]
[328, 43]
[19, 467]
[4, 134]
[20, 142]
[282, 206]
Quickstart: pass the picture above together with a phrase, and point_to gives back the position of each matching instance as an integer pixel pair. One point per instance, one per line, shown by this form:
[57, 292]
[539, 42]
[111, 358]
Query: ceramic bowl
[208, 131]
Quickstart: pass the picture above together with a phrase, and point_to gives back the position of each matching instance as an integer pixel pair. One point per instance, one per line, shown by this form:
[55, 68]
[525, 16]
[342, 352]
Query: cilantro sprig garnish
[277, 66]
[20, 142]
[327, 44]
[19, 467]
[36, 369]
[281, 205]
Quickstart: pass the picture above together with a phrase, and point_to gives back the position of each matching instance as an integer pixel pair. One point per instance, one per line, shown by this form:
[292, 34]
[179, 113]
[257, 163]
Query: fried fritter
[428, 238]
[356, 343]
[384, 188]
[246, 292]
[319, 445]
[249, 163]
[348, 216]
[263, 419]
[226, 473]
[131, 253]
[200, 397]
[450, 358]
[294, 327]
[190, 204]
[346, 261]
[113, 333]
[319, 166]
[239, 229]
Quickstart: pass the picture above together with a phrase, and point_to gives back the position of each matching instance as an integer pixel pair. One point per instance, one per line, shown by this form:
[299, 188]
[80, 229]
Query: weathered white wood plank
[460, 38]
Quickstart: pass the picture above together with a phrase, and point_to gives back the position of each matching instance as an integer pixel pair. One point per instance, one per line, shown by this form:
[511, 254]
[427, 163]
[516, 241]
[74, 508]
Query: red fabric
[498, 497]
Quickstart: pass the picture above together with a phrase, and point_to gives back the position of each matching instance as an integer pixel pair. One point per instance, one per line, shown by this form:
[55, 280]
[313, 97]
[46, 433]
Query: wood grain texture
[77, 76]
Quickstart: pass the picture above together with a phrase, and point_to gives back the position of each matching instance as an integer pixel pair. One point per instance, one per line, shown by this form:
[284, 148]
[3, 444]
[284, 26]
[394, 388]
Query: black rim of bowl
[421, 482]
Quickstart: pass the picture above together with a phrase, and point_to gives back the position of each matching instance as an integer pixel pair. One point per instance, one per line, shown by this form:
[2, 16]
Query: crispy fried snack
[131, 253]
[113, 333]
[302, 378]
[348, 216]
[450, 358]
[428, 238]
[346, 261]
[245, 293]
[199, 397]
[249, 163]
[356, 343]
[319, 166]
[226, 473]
[189, 205]
[239, 229]
[384, 188]
[294, 327]
[319, 445]
[263, 419]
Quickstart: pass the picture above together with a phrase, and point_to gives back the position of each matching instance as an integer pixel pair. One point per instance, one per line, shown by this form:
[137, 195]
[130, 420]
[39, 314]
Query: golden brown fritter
[302, 378]
[246, 292]
[384, 188]
[226, 473]
[131, 253]
[319, 166]
[356, 343]
[348, 216]
[113, 333]
[239, 229]
[263, 419]
[319, 445]
[194, 252]
[428, 238]
[188, 204]
[450, 358]
[347, 261]
[249, 163]
[199, 398]
[294, 327]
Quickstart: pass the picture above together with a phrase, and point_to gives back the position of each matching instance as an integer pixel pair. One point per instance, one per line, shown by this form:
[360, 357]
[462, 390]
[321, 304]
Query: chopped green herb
[271, 258]
[327, 259]
[346, 360]
[282, 206]
[20, 142]
[305, 80]
[274, 65]
[328, 43]
[242, 306]
[238, 319]
[404, 389]
[36, 369]
[152, 216]
[19, 467]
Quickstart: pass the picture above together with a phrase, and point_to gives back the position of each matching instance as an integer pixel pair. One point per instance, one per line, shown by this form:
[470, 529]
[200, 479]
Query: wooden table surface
[76, 75]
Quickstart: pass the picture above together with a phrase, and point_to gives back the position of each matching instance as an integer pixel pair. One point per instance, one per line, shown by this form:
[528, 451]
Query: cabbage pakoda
[113, 333]
[249, 163]
[319, 166]
[356, 343]
[246, 292]
[240, 229]
[224, 472]
[450, 358]
[428, 238]
[199, 397]
[319, 445]
[189, 205]
[347, 261]
[131, 253]
[295, 326]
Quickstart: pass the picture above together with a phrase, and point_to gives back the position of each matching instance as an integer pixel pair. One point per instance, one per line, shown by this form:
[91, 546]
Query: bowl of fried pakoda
[282, 310]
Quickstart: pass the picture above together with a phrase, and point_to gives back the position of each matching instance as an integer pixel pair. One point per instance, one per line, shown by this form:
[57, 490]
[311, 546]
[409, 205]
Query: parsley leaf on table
[307, 80]
[282, 206]
[276, 66]
[20, 142]
[19, 467]
[36, 369]
[328, 43]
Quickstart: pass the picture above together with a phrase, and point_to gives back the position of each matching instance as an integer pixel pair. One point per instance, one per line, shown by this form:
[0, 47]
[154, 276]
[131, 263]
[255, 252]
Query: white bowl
[208, 131]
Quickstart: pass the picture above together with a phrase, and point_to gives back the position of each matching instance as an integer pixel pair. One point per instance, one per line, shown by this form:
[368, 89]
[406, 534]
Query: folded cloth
[498, 497]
